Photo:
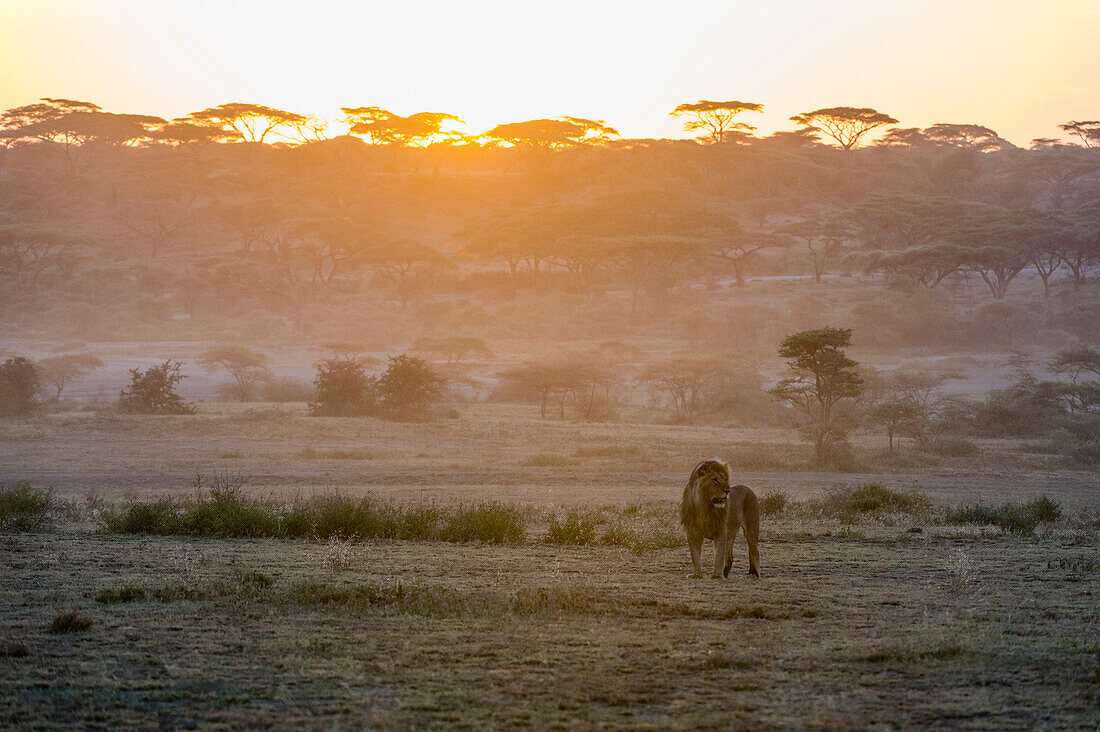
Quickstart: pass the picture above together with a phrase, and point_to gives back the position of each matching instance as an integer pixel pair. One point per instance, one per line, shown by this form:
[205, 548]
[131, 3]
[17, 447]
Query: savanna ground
[859, 620]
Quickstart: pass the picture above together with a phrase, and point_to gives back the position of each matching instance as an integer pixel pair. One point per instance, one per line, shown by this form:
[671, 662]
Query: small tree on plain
[247, 367]
[60, 370]
[409, 388]
[820, 376]
[153, 391]
[343, 388]
[20, 381]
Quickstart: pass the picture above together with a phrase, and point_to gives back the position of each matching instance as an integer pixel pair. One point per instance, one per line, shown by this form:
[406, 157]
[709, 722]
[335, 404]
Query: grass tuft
[70, 621]
[1018, 519]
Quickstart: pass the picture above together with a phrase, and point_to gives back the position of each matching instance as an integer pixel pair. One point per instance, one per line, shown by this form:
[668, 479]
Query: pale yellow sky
[1019, 66]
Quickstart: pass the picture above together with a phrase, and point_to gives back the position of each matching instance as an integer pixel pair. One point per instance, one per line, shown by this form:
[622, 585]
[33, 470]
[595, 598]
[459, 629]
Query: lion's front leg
[695, 544]
[719, 555]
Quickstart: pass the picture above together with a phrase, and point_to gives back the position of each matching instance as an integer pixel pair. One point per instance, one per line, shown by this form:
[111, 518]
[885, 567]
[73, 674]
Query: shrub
[576, 528]
[874, 498]
[153, 391]
[408, 388]
[1010, 517]
[342, 388]
[233, 515]
[69, 622]
[20, 382]
[24, 508]
[773, 502]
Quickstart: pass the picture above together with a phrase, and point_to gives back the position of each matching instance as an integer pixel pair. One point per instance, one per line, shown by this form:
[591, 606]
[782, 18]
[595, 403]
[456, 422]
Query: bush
[342, 388]
[20, 382]
[871, 498]
[230, 515]
[408, 388]
[1008, 516]
[577, 528]
[69, 622]
[153, 391]
[23, 508]
[773, 502]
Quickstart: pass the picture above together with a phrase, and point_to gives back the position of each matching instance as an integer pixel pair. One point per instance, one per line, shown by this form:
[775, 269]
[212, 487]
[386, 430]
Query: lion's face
[712, 481]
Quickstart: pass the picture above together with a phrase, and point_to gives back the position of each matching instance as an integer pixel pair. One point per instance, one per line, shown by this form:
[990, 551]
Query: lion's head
[710, 484]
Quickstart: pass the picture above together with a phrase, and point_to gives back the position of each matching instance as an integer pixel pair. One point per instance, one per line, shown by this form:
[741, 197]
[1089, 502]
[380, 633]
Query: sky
[1021, 67]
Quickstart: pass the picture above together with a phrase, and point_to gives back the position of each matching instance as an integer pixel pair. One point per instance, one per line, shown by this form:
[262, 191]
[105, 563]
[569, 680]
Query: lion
[712, 509]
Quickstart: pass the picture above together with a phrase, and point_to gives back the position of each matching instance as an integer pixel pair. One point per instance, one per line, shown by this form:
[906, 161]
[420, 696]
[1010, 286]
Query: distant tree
[846, 125]
[715, 119]
[248, 122]
[1087, 131]
[184, 133]
[383, 127]
[994, 251]
[687, 382]
[902, 137]
[158, 221]
[397, 261]
[892, 414]
[408, 388]
[736, 248]
[823, 240]
[820, 375]
[342, 388]
[35, 121]
[29, 251]
[60, 370]
[153, 391]
[543, 382]
[552, 133]
[248, 367]
[1082, 366]
[973, 137]
[20, 381]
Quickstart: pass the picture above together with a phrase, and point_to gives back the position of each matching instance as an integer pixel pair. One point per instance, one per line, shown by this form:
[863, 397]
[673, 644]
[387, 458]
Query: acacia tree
[27, 252]
[382, 127]
[1087, 131]
[60, 370]
[248, 367]
[248, 122]
[398, 260]
[846, 125]
[973, 137]
[823, 240]
[716, 119]
[820, 375]
[736, 247]
[549, 134]
[33, 121]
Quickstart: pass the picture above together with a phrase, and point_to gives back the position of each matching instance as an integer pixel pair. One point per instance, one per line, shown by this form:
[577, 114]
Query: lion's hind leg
[752, 531]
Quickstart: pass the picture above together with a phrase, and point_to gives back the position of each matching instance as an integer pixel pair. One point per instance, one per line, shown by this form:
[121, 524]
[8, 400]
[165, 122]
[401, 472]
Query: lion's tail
[750, 508]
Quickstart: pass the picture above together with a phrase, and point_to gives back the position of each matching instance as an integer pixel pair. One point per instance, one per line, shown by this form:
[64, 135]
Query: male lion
[712, 509]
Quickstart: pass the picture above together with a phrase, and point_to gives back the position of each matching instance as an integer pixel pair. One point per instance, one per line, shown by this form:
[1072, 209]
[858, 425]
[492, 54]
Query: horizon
[838, 49]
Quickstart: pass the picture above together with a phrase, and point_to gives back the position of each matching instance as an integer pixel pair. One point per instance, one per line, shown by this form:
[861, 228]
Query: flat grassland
[875, 619]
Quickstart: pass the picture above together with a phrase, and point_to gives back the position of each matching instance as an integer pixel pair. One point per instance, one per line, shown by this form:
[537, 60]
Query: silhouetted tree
[342, 388]
[716, 119]
[846, 125]
[1087, 131]
[552, 133]
[249, 122]
[383, 127]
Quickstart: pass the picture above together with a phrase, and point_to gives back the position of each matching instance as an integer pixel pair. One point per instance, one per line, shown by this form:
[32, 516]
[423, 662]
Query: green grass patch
[1016, 518]
[232, 515]
[23, 508]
